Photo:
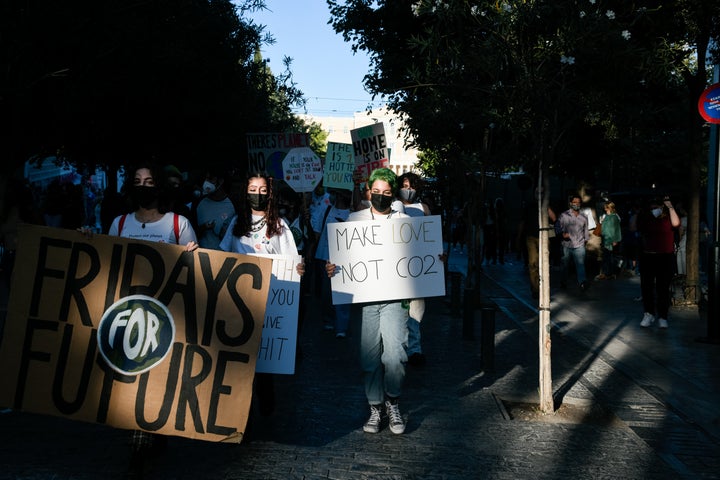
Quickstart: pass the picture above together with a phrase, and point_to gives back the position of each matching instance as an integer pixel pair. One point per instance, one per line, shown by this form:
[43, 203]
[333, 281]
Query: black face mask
[145, 197]
[258, 201]
[381, 202]
[408, 195]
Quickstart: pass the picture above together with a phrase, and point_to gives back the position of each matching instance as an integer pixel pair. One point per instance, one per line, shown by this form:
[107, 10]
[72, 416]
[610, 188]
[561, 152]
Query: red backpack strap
[121, 223]
[176, 226]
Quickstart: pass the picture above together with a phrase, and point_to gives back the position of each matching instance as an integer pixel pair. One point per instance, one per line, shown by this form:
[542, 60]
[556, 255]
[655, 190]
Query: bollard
[487, 338]
[468, 324]
[455, 280]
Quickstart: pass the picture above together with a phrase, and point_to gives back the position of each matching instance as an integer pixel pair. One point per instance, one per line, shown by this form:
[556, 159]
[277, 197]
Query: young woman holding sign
[150, 221]
[383, 333]
[259, 229]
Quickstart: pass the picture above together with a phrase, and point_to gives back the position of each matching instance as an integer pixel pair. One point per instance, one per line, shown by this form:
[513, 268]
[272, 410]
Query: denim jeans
[382, 352]
[337, 316]
[578, 257]
[413, 343]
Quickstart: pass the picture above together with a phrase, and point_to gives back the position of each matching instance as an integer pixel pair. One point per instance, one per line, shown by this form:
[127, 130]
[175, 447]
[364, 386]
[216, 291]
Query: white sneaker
[662, 323]
[648, 320]
[397, 424]
[373, 423]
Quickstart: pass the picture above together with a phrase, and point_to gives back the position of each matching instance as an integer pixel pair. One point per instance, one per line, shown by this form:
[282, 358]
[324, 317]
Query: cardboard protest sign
[369, 149]
[133, 334]
[390, 259]
[266, 151]
[339, 166]
[279, 335]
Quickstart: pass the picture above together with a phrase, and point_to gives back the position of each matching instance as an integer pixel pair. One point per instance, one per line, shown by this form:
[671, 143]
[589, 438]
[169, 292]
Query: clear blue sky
[324, 66]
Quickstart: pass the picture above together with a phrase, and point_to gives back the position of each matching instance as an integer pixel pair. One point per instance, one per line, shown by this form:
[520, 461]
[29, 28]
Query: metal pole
[455, 280]
[713, 214]
[468, 324]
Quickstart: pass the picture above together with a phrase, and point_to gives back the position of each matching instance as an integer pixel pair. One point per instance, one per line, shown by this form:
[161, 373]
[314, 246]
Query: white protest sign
[369, 149]
[302, 169]
[390, 259]
[339, 166]
[279, 333]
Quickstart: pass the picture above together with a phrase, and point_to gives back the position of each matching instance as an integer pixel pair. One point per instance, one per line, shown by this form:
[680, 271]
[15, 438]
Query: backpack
[176, 226]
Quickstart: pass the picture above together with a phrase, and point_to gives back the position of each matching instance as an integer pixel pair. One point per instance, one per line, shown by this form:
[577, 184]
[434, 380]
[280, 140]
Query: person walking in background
[411, 187]
[529, 229]
[319, 206]
[490, 234]
[177, 193]
[656, 223]
[611, 237]
[458, 228]
[214, 212]
[383, 332]
[681, 249]
[335, 317]
[501, 229]
[573, 231]
[632, 241]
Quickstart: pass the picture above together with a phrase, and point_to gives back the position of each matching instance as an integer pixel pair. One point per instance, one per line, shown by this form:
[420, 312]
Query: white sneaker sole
[397, 430]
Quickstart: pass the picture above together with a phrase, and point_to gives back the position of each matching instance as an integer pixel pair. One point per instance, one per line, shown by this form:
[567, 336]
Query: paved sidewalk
[663, 388]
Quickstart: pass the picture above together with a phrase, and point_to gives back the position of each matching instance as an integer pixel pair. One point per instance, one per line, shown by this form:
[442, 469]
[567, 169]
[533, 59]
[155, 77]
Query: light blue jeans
[578, 257]
[382, 352]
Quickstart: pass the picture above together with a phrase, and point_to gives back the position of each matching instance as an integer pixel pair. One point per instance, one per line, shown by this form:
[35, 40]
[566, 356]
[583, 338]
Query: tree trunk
[545, 343]
[696, 84]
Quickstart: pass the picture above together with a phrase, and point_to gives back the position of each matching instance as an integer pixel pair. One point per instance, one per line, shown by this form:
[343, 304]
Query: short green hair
[386, 175]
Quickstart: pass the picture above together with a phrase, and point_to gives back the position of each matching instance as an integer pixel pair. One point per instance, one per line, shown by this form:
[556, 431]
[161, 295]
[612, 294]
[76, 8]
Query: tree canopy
[503, 84]
[101, 82]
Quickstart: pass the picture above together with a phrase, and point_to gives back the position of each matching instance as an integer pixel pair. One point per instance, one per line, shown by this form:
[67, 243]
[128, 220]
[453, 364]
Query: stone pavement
[661, 388]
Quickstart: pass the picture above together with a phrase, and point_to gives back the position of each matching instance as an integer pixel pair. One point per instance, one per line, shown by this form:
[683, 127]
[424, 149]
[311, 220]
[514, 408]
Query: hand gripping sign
[393, 259]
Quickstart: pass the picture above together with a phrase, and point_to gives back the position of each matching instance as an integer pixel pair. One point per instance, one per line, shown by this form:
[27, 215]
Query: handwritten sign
[386, 259]
[133, 334]
[302, 169]
[279, 334]
[266, 151]
[370, 150]
[339, 166]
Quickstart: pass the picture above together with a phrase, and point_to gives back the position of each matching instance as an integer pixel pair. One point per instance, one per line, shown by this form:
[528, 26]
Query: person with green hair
[383, 332]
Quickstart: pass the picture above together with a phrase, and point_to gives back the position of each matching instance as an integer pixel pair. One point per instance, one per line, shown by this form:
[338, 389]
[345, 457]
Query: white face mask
[208, 187]
[656, 212]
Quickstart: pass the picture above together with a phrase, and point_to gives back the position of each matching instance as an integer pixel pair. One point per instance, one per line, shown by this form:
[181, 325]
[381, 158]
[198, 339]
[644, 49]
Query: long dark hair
[244, 217]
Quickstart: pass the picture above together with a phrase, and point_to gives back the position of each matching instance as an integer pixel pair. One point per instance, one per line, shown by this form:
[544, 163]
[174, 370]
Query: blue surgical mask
[208, 187]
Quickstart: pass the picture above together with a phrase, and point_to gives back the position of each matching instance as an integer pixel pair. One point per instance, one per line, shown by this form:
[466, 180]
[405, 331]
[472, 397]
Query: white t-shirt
[162, 231]
[257, 242]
